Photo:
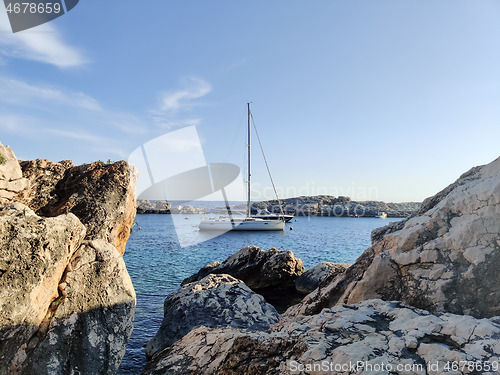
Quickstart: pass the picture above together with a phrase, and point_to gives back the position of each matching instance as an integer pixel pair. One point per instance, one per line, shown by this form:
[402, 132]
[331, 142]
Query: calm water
[157, 263]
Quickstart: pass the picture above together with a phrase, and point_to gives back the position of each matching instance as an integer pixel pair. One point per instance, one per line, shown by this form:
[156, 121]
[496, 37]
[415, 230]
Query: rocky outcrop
[153, 207]
[101, 196]
[66, 300]
[256, 268]
[327, 205]
[43, 176]
[187, 210]
[339, 340]
[11, 179]
[445, 258]
[320, 274]
[215, 301]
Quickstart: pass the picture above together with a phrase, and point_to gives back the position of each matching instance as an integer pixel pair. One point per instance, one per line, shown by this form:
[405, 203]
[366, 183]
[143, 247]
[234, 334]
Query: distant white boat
[382, 215]
[247, 222]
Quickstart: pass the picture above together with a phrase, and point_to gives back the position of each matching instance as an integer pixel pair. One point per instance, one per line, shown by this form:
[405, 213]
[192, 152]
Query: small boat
[266, 215]
[382, 215]
[243, 223]
[246, 222]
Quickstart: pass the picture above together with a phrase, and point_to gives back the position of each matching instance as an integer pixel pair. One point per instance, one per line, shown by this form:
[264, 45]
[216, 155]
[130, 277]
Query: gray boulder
[371, 333]
[257, 268]
[319, 274]
[214, 301]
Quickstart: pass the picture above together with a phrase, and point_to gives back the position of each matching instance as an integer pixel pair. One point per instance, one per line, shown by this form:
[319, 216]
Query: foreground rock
[270, 273]
[257, 268]
[215, 301]
[446, 258]
[66, 300]
[34, 254]
[361, 335]
[90, 329]
[11, 178]
[319, 275]
[101, 196]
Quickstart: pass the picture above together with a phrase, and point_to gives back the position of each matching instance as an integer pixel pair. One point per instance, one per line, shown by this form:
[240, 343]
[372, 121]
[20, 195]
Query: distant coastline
[319, 205]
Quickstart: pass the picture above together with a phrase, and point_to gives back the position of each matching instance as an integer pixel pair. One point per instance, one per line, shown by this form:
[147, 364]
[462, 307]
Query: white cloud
[97, 143]
[194, 88]
[42, 43]
[13, 91]
[10, 123]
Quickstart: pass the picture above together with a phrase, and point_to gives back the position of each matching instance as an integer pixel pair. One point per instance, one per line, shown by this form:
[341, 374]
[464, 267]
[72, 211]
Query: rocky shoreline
[423, 299]
[319, 205]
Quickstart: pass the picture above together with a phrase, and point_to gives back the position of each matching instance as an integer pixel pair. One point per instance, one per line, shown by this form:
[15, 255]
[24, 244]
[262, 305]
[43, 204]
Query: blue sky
[386, 100]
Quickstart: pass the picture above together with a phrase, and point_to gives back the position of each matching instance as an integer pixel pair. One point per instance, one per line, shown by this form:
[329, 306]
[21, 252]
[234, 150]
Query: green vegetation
[105, 163]
[2, 159]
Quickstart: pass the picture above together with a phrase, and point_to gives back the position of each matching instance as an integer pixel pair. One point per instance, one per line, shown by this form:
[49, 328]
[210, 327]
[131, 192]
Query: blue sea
[157, 263]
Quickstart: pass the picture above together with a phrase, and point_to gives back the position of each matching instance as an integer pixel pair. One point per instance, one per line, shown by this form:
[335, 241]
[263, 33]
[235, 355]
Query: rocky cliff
[66, 300]
[424, 299]
[445, 258]
[327, 205]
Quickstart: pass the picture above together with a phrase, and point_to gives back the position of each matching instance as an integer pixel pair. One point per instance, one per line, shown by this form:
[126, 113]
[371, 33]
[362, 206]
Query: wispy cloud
[171, 109]
[193, 88]
[21, 93]
[13, 123]
[43, 43]
[73, 119]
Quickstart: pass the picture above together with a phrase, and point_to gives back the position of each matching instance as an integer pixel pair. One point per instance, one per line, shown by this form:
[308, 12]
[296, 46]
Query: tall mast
[248, 204]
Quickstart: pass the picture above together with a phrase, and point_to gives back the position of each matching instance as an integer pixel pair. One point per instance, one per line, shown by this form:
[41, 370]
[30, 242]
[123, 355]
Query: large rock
[445, 258]
[34, 255]
[66, 300]
[90, 329]
[101, 196]
[214, 301]
[320, 274]
[371, 333]
[43, 176]
[257, 268]
[12, 182]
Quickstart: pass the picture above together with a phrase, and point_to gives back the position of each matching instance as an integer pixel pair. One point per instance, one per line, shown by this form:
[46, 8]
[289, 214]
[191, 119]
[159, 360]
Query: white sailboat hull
[225, 225]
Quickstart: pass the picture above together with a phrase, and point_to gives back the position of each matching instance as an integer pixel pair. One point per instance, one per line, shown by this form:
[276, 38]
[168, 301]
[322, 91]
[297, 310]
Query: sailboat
[247, 223]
